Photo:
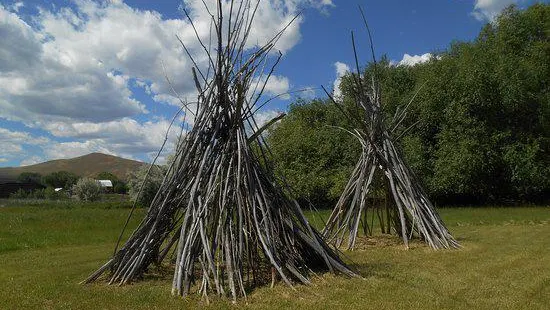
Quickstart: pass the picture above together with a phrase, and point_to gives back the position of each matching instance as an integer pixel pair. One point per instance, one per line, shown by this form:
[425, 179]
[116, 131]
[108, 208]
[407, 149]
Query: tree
[119, 186]
[87, 189]
[152, 183]
[30, 177]
[311, 151]
[478, 129]
[62, 179]
[488, 101]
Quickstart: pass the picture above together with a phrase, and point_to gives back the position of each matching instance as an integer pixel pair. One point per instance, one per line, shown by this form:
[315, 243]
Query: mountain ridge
[85, 166]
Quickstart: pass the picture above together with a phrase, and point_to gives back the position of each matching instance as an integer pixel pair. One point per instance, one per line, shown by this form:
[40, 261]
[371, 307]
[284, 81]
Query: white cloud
[44, 79]
[276, 86]
[488, 10]
[265, 116]
[123, 137]
[71, 73]
[410, 61]
[3, 160]
[20, 45]
[13, 143]
[75, 149]
[66, 69]
[31, 161]
[78, 65]
[341, 70]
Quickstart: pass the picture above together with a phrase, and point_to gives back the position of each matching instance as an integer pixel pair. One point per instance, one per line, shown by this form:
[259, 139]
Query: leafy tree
[152, 183]
[62, 179]
[489, 102]
[37, 194]
[477, 131]
[51, 194]
[30, 177]
[312, 153]
[87, 189]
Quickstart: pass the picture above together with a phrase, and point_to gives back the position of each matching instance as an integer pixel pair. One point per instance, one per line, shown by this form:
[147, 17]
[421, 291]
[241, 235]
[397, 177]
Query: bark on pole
[220, 209]
[417, 216]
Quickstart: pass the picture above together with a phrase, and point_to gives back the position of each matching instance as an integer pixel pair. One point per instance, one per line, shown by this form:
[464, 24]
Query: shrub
[51, 194]
[151, 186]
[37, 194]
[60, 179]
[20, 194]
[87, 189]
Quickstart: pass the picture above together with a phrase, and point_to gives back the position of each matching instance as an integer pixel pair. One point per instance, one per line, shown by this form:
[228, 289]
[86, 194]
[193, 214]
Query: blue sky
[85, 76]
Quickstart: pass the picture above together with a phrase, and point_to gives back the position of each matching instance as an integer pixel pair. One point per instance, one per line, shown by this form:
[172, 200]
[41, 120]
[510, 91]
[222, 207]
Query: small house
[106, 185]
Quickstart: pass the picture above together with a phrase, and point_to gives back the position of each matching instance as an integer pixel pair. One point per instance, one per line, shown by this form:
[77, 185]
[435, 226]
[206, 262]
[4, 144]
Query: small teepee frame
[410, 210]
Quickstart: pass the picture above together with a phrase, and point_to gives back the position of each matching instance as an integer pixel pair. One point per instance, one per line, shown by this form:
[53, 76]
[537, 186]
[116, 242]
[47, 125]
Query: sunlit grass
[504, 264]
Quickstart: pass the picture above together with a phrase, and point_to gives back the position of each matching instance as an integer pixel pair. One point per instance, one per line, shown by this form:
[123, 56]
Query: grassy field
[504, 264]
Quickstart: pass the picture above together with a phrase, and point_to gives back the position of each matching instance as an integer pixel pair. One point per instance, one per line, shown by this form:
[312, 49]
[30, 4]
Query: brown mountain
[87, 165]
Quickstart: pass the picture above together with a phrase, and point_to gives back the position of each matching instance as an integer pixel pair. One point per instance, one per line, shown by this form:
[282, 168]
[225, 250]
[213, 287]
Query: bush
[87, 189]
[314, 156]
[51, 194]
[62, 179]
[37, 194]
[20, 194]
[30, 177]
[151, 186]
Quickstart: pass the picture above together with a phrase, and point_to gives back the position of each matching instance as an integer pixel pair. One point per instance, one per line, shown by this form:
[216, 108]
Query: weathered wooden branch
[222, 213]
[411, 211]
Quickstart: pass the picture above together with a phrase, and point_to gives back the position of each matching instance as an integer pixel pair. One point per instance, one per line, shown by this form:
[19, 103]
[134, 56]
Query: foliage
[48, 193]
[489, 102]
[152, 183]
[87, 189]
[312, 153]
[478, 129]
[30, 177]
[20, 194]
[61, 179]
[51, 194]
[119, 186]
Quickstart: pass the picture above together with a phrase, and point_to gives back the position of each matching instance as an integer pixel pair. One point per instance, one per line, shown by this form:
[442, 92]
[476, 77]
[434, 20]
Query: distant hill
[87, 165]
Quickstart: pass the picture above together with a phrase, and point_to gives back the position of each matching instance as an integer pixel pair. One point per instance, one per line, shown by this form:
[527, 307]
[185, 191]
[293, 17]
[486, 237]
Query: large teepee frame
[411, 210]
[220, 213]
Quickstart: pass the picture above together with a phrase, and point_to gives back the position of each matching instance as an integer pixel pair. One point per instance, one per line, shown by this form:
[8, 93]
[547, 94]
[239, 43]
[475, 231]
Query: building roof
[105, 183]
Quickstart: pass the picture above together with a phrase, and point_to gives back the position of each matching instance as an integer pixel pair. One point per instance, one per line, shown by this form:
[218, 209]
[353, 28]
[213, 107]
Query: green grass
[504, 264]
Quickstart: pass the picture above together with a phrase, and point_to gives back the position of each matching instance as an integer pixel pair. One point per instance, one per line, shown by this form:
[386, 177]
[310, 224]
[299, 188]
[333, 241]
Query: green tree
[313, 154]
[62, 179]
[51, 194]
[153, 180]
[30, 177]
[87, 189]
[477, 131]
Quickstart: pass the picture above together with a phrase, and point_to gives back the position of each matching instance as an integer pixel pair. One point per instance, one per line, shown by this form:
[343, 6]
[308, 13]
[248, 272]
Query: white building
[105, 184]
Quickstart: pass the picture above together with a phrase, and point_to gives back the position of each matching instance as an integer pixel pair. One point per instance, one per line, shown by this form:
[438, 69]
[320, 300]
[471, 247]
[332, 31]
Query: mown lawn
[504, 264]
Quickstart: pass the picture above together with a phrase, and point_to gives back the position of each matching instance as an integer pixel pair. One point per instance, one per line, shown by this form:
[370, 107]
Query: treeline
[477, 130]
[68, 182]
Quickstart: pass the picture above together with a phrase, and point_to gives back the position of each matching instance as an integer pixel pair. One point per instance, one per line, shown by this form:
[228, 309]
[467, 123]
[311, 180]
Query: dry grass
[504, 264]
